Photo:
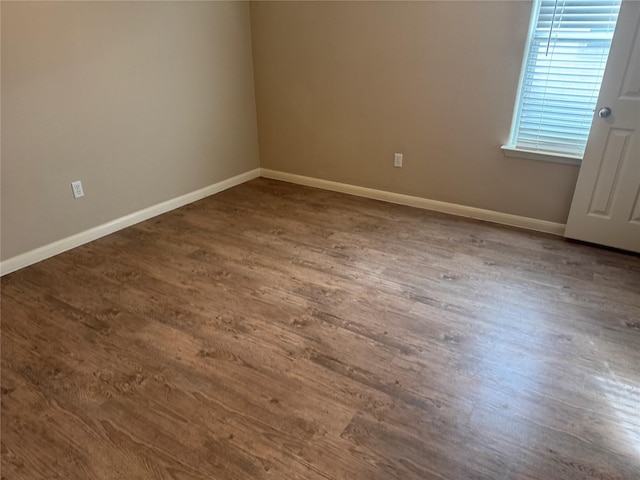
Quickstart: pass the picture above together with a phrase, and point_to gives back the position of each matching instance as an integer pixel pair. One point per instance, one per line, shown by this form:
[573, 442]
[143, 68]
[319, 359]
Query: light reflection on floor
[624, 400]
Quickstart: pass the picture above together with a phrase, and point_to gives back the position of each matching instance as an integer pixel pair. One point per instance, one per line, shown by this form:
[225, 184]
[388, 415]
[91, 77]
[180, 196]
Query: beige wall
[146, 101]
[341, 86]
[142, 101]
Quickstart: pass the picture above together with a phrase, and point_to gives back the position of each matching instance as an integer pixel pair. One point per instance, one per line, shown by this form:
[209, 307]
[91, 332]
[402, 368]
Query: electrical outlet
[397, 160]
[77, 189]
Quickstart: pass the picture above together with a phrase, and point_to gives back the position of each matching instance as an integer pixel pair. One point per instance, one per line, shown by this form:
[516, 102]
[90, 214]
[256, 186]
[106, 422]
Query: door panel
[609, 173]
[631, 83]
[635, 215]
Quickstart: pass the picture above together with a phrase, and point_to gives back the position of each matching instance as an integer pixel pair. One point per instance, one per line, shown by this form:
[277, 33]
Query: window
[564, 62]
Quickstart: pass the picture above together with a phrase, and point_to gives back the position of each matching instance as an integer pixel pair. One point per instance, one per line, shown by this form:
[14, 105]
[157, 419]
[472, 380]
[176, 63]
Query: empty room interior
[309, 240]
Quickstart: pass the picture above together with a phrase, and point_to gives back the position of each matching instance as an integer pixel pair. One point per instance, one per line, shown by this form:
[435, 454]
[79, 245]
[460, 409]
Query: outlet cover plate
[76, 187]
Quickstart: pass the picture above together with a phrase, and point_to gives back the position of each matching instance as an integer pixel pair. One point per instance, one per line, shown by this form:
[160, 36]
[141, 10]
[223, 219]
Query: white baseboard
[435, 205]
[46, 251]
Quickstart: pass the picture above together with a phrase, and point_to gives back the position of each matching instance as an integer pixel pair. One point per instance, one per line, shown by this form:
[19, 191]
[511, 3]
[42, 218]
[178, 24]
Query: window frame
[510, 149]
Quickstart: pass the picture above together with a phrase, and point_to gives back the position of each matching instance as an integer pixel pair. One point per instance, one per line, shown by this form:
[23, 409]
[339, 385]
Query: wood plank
[279, 331]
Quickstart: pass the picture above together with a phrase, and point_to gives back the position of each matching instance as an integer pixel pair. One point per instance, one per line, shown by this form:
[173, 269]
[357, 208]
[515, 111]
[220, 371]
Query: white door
[606, 202]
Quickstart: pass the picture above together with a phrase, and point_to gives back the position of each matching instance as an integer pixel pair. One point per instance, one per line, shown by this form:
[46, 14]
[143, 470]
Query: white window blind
[567, 51]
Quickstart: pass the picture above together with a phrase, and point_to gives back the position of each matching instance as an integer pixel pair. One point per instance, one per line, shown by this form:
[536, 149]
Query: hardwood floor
[278, 331]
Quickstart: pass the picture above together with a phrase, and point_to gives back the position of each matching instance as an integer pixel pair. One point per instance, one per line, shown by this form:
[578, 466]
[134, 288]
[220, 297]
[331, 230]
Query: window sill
[510, 151]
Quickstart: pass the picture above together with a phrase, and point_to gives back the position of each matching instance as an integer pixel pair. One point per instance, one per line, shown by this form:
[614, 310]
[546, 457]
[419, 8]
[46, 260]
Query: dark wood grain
[278, 331]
